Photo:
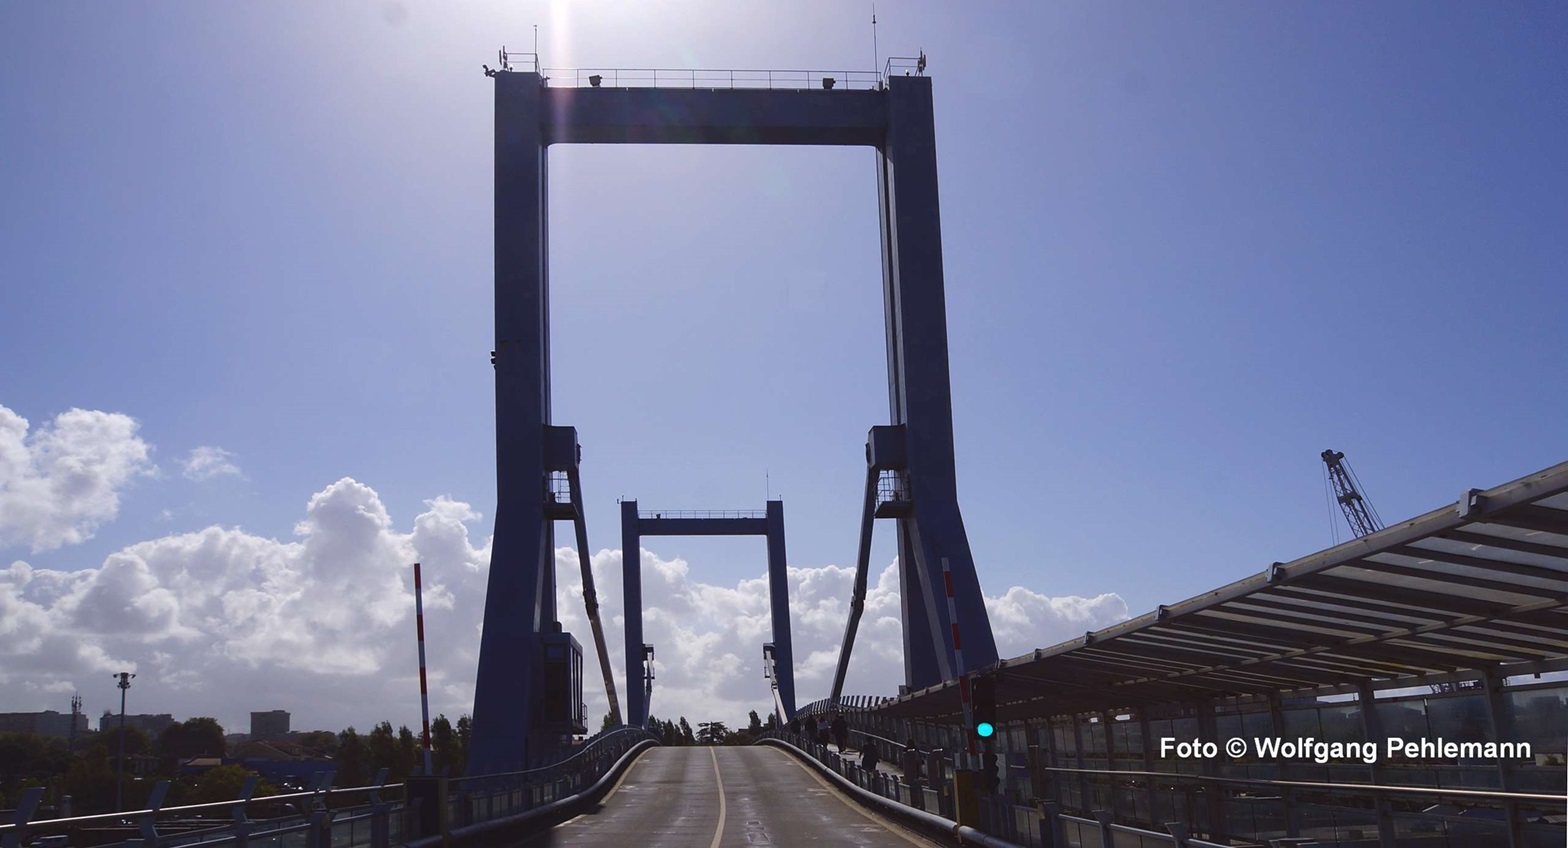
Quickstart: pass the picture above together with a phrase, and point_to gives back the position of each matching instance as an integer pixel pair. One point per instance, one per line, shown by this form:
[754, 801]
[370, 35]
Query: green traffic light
[984, 729]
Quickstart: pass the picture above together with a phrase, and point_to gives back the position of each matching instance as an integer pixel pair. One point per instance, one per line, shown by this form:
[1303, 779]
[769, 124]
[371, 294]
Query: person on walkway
[840, 732]
[869, 756]
[811, 728]
[911, 765]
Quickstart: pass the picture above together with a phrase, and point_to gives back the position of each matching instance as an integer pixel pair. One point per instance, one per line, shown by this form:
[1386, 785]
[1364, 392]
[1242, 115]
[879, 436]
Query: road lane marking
[719, 833]
[603, 802]
[886, 824]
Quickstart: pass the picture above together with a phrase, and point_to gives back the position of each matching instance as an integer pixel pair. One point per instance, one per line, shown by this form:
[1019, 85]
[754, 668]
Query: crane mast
[1359, 514]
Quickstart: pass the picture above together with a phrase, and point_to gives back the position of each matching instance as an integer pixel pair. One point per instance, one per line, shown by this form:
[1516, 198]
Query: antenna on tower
[876, 55]
[76, 712]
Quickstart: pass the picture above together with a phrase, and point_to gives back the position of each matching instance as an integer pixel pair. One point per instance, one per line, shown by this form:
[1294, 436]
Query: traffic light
[982, 696]
[990, 773]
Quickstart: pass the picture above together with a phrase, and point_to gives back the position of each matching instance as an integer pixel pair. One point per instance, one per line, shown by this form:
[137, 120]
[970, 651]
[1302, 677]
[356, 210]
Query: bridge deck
[694, 797]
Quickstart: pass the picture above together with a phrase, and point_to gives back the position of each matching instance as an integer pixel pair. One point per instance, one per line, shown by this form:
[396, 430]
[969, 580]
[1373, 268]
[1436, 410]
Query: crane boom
[1363, 519]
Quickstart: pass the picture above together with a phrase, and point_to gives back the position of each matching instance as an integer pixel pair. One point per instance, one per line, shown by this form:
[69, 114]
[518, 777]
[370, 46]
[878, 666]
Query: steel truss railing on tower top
[701, 513]
[709, 78]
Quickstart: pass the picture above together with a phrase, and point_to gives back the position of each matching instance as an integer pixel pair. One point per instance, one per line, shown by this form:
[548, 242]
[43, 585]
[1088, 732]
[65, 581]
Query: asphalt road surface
[713, 797]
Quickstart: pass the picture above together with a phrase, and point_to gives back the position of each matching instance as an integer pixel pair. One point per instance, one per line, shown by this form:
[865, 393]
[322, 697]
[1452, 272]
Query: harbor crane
[1359, 514]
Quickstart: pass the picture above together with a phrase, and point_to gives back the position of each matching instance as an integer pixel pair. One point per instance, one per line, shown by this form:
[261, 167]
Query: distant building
[152, 725]
[283, 763]
[46, 723]
[272, 723]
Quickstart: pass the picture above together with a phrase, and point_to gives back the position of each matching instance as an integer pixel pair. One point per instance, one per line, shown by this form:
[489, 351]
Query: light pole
[119, 771]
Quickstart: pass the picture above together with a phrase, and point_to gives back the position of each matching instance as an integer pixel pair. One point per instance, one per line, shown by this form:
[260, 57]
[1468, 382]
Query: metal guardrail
[931, 802]
[701, 513]
[1271, 808]
[1319, 786]
[710, 78]
[845, 704]
[904, 65]
[321, 819]
[512, 60]
[316, 822]
[476, 804]
[879, 788]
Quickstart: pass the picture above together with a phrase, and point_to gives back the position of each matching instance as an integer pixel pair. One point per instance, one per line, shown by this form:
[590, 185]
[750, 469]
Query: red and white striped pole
[958, 656]
[424, 690]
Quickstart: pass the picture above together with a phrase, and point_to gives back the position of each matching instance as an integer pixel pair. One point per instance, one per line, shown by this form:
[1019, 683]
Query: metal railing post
[242, 823]
[380, 814]
[427, 798]
[32, 796]
[1104, 818]
[148, 824]
[1387, 836]
[319, 832]
[1052, 834]
[1178, 832]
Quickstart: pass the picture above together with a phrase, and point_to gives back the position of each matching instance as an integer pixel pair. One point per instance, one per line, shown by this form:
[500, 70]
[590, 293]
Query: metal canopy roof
[1477, 585]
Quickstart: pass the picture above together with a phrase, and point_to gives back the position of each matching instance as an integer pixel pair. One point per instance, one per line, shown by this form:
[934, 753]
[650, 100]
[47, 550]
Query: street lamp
[119, 772]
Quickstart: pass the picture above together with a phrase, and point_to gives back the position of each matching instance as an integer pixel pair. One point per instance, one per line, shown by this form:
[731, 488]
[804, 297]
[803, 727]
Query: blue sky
[1187, 248]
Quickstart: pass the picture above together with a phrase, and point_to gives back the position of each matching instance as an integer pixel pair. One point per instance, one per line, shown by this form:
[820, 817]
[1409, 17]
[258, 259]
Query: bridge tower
[895, 118]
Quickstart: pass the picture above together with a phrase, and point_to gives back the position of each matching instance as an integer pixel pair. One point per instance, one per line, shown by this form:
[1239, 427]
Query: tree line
[88, 775]
[680, 732]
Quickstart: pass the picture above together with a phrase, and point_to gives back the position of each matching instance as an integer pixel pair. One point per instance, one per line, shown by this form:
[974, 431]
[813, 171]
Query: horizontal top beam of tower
[713, 116]
[702, 526]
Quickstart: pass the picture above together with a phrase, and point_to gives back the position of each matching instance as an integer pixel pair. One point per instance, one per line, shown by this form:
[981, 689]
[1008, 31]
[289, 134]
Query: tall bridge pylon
[896, 119]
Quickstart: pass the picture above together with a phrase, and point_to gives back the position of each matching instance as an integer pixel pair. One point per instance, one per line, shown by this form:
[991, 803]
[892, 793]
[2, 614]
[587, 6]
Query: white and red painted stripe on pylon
[424, 689]
[958, 655]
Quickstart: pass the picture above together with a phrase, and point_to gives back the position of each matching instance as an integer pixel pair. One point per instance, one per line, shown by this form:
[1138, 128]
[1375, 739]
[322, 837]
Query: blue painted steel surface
[519, 601]
[710, 116]
[778, 599]
[520, 605]
[634, 527]
[631, 593]
[703, 526]
[920, 397]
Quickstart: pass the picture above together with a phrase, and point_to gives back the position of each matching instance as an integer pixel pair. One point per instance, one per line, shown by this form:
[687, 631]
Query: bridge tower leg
[920, 397]
[520, 600]
[778, 600]
[631, 593]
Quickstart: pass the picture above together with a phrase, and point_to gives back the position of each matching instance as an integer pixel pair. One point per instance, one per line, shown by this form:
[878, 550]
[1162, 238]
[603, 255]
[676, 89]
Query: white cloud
[222, 622]
[708, 638]
[206, 462]
[60, 483]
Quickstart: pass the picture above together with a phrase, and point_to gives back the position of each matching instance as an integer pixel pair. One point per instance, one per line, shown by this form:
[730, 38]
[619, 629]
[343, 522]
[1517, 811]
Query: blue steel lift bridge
[1448, 625]
[527, 696]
